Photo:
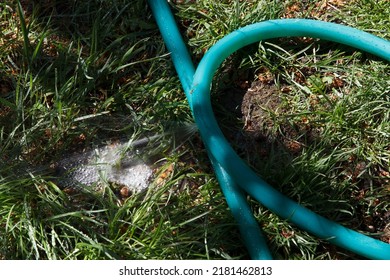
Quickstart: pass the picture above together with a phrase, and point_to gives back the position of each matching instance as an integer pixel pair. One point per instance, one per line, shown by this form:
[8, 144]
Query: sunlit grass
[75, 76]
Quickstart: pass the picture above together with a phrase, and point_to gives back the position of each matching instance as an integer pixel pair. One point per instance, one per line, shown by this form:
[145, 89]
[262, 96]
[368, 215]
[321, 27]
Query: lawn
[311, 117]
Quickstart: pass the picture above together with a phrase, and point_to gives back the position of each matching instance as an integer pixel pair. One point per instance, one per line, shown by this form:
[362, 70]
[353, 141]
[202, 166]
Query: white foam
[113, 163]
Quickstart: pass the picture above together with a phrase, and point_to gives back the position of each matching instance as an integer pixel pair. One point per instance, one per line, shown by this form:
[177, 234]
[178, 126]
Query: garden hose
[236, 178]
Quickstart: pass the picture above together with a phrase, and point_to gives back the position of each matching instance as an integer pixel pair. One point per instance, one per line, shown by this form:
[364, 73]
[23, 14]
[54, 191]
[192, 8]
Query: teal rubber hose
[235, 177]
[251, 233]
[232, 163]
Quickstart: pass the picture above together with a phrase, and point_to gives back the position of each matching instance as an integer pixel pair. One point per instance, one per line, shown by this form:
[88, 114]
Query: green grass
[75, 75]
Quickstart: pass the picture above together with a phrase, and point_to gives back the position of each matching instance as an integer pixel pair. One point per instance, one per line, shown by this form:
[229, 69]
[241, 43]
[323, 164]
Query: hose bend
[235, 177]
[233, 164]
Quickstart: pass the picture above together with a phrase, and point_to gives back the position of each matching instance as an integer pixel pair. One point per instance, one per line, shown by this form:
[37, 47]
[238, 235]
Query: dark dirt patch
[266, 126]
[263, 117]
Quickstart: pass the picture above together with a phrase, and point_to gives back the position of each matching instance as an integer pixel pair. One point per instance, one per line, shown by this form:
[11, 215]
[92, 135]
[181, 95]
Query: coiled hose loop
[235, 177]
